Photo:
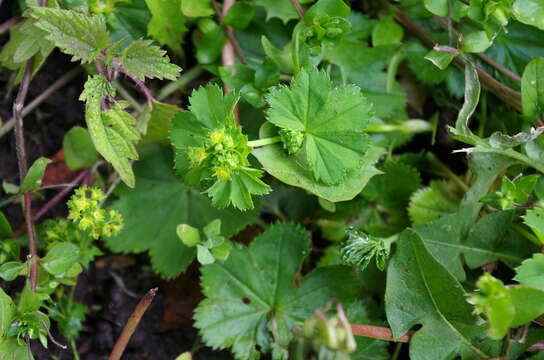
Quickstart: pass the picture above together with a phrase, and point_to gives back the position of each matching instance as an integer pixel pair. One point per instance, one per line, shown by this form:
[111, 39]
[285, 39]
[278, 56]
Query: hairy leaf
[421, 291]
[77, 34]
[211, 150]
[331, 120]
[154, 208]
[253, 292]
[531, 272]
[430, 203]
[112, 131]
[144, 60]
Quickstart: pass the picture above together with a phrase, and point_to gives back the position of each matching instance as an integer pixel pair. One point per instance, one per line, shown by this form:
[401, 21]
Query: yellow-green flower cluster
[224, 151]
[84, 209]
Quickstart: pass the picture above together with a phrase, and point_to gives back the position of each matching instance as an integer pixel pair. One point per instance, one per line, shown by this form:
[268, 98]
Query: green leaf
[280, 165]
[530, 12]
[532, 89]
[209, 49]
[331, 120]
[281, 9]
[167, 24]
[60, 258]
[10, 349]
[476, 42]
[112, 131]
[472, 97]
[534, 219]
[78, 147]
[33, 179]
[196, 8]
[7, 312]
[77, 34]
[168, 203]
[26, 41]
[387, 32]
[11, 269]
[332, 8]
[239, 15]
[144, 60]
[204, 255]
[441, 59]
[158, 122]
[254, 291]
[211, 150]
[416, 281]
[188, 235]
[430, 203]
[5, 228]
[506, 306]
[531, 272]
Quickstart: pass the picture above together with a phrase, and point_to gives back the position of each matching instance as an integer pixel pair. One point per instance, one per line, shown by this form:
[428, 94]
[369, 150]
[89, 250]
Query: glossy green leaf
[281, 9]
[167, 24]
[436, 301]
[5, 227]
[254, 290]
[534, 218]
[33, 179]
[209, 49]
[476, 42]
[239, 15]
[10, 349]
[196, 8]
[7, 312]
[60, 258]
[530, 12]
[78, 147]
[441, 59]
[168, 203]
[11, 269]
[189, 235]
[472, 97]
[332, 8]
[532, 89]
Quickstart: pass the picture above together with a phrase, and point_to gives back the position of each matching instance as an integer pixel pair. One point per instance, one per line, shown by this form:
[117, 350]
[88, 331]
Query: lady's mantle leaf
[211, 150]
[254, 291]
[154, 208]
[421, 291]
[332, 120]
[112, 131]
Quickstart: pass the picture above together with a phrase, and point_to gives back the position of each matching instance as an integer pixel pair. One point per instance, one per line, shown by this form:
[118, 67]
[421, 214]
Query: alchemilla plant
[329, 179]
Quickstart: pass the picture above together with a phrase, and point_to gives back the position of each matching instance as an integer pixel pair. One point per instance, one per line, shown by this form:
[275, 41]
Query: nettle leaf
[157, 205]
[26, 41]
[83, 36]
[211, 150]
[143, 60]
[331, 120]
[112, 131]
[167, 23]
[254, 291]
[421, 291]
[532, 89]
[531, 272]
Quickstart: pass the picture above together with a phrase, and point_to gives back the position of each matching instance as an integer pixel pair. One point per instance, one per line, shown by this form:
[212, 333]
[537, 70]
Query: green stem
[296, 51]
[263, 142]
[74, 349]
[396, 354]
[180, 83]
[392, 70]
[526, 234]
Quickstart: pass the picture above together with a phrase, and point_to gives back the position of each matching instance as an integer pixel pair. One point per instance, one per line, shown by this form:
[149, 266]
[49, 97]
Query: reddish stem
[132, 324]
[139, 84]
[298, 8]
[6, 26]
[378, 332]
